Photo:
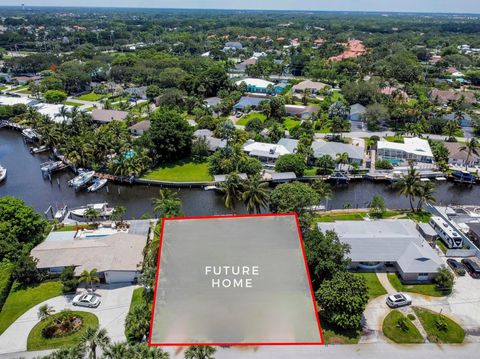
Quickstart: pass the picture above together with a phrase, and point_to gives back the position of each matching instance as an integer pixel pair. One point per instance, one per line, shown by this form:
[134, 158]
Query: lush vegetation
[20, 300]
[400, 329]
[439, 328]
[63, 329]
[182, 171]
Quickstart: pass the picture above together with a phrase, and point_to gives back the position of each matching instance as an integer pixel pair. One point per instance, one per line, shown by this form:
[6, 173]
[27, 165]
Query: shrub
[26, 272]
[383, 165]
[444, 279]
[6, 269]
[402, 324]
[291, 163]
[441, 324]
[68, 280]
[411, 316]
[55, 96]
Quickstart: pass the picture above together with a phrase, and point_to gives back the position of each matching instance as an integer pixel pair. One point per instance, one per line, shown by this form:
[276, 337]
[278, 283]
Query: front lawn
[21, 300]
[400, 329]
[242, 121]
[397, 139]
[375, 288]
[425, 289]
[333, 335]
[340, 217]
[36, 340]
[440, 329]
[137, 297]
[92, 96]
[181, 171]
[71, 103]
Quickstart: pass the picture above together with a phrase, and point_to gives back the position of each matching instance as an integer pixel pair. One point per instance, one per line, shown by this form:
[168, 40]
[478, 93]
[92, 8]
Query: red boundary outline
[321, 342]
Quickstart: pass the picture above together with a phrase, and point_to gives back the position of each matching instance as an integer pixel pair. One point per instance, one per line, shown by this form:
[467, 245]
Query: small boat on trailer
[98, 183]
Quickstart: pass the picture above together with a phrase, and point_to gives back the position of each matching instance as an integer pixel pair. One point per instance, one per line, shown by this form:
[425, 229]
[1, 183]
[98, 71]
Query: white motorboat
[98, 183]
[40, 149]
[82, 179]
[61, 213]
[51, 166]
[210, 188]
[30, 134]
[3, 173]
[102, 209]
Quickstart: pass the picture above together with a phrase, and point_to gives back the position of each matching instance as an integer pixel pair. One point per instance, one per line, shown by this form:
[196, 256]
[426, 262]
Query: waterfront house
[321, 148]
[213, 143]
[308, 85]
[106, 116]
[140, 128]
[389, 244]
[117, 257]
[357, 112]
[260, 86]
[459, 158]
[302, 112]
[265, 152]
[414, 148]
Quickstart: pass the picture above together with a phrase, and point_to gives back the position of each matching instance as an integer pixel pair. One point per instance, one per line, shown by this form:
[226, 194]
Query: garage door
[120, 276]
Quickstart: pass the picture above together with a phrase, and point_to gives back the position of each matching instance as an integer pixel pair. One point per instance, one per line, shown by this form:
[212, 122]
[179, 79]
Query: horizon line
[239, 9]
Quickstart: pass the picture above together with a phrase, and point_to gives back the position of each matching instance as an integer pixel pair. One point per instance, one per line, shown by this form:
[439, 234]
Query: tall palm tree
[94, 338]
[117, 214]
[63, 113]
[255, 194]
[450, 130]
[74, 352]
[425, 193]
[91, 214]
[89, 277]
[45, 311]
[342, 158]
[231, 190]
[323, 189]
[409, 184]
[118, 350]
[204, 352]
[472, 148]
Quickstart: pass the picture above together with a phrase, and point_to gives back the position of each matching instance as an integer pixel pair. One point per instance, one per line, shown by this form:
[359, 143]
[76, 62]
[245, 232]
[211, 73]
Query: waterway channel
[25, 181]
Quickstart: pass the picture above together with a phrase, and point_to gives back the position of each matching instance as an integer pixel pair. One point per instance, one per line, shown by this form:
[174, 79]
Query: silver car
[86, 300]
[398, 300]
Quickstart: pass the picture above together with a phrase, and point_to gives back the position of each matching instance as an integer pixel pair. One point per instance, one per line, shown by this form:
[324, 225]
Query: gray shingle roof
[321, 148]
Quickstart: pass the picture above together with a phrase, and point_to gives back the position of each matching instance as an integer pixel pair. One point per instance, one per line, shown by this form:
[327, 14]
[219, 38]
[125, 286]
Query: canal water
[25, 181]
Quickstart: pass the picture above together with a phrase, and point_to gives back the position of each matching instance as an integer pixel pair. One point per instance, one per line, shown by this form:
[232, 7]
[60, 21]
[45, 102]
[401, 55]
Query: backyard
[242, 121]
[181, 171]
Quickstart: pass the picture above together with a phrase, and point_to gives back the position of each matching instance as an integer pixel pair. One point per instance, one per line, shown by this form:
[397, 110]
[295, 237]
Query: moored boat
[98, 183]
[34, 150]
[51, 166]
[464, 177]
[102, 209]
[81, 180]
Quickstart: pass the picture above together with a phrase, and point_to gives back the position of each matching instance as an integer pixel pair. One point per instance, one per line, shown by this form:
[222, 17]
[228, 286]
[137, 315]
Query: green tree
[67, 277]
[291, 163]
[326, 255]
[153, 91]
[425, 194]
[376, 114]
[293, 197]
[255, 194]
[55, 96]
[377, 205]
[408, 185]
[472, 148]
[89, 277]
[118, 213]
[137, 323]
[167, 204]
[450, 130]
[444, 279]
[45, 311]
[325, 164]
[231, 190]
[91, 214]
[323, 189]
[94, 338]
[342, 300]
[200, 352]
[25, 271]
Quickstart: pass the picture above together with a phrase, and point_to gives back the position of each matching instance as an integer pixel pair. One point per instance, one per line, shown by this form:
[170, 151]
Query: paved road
[111, 315]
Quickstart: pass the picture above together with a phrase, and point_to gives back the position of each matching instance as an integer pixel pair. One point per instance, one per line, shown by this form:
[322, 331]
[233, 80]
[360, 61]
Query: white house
[265, 152]
[413, 148]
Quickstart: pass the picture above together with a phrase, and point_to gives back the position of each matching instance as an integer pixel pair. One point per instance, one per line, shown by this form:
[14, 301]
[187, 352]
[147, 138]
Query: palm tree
[93, 338]
[255, 194]
[45, 311]
[323, 189]
[89, 277]
[63, 113]
[409, 184]
[450, 130]
[342, 158]
[91, 214]
[117, 351]
[472, 147]
[231, 189]
[425, 193]
[204, 352]
[74, 352]
[117, 214]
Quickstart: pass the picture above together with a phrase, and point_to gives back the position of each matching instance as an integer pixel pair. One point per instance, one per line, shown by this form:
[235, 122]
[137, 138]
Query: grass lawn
[452, 333]
[92, 96]
[333, 335]
[420, 217]
[242, 121]
[21, 300]
[71, 103]
[25, 92]
[340, 217]
[181, 171]
[90, 108]
[391, 330]
[18, 88]
[336, 96]
[441, 245]
[375, 288]
[73, 227]
[36, 341]
[137, 297]
[398, 139]
[290, 123]
[425, 289]
[3, 88]
[311, 171]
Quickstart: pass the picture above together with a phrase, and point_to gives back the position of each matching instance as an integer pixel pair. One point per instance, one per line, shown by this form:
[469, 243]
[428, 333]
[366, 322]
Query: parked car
[456, 266]
[472, 268]
[398, 300]
[86, 300]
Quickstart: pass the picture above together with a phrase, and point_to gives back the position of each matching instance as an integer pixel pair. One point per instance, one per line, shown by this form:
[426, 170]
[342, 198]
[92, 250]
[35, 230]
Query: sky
[456, 6]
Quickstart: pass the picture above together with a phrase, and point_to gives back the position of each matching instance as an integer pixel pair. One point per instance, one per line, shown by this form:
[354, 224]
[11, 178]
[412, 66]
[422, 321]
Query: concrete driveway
[111, 315]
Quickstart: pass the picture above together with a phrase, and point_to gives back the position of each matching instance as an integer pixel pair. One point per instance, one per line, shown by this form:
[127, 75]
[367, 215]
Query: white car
[86, 300]
[398, 300]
